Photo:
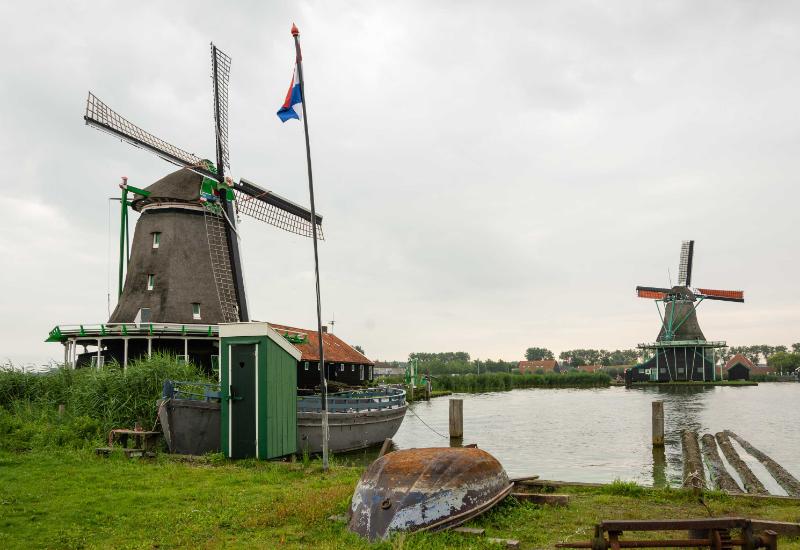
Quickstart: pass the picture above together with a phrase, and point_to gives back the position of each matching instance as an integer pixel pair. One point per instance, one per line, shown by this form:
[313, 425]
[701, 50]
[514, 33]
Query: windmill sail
[101, 116]
[685, 265]
[273, 209]
[221, 70]
[721, 295]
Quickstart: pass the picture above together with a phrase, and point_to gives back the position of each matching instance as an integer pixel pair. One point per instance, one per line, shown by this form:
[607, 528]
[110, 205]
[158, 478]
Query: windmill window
[156, 239]
[195, 311]
[151, 281]
[143, 316]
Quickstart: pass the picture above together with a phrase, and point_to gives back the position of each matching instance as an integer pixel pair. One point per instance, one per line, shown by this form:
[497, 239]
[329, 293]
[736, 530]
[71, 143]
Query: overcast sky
[492, 175]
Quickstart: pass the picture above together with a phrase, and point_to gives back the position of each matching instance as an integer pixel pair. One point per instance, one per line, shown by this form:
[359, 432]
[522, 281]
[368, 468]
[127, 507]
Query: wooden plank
[472, 531]
[508, 543]
[387, 444]
[456, 418]
[338, 518]
[523, 480]
[550, 483]
[543, 498]
[781, 527]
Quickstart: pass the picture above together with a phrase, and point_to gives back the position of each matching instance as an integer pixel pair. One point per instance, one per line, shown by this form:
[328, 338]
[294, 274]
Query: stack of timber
[694, 473]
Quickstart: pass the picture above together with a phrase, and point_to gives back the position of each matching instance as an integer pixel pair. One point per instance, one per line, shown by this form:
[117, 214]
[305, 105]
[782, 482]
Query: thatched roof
[182, 186]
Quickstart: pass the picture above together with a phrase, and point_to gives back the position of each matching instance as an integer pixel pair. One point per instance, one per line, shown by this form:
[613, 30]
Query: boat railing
[373, 399]
[198, 391]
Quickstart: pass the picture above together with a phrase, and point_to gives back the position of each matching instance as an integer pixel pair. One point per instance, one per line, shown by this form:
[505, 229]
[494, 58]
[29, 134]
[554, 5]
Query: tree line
[581, 357]
[783, 358]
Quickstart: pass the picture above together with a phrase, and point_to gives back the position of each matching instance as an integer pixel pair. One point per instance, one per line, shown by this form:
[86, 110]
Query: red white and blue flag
[292, 106]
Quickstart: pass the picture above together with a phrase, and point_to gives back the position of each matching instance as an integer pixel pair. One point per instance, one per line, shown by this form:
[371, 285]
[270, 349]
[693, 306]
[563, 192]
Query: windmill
[185, 253]
[681, 351]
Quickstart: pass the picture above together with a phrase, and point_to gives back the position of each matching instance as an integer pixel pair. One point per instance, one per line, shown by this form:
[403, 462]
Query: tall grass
[95, 401]
[500, 381]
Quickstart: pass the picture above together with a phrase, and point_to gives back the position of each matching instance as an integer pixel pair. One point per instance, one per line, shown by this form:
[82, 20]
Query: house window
[663, 369]
[681, 371]
[143, 316]
[352, 368]
[370, 372]
[151, 281]
[156, 239]
[341, 367]
[196, 311]
[361, 372]
[305, 365]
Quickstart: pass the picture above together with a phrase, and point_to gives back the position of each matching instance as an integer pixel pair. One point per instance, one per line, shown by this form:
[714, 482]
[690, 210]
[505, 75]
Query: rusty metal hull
[426, 489]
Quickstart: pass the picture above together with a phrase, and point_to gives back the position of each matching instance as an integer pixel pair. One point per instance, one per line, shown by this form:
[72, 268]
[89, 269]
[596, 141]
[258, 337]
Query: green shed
[258, 381]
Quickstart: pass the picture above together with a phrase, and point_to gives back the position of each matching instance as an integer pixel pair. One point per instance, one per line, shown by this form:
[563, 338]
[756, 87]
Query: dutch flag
[288, 109]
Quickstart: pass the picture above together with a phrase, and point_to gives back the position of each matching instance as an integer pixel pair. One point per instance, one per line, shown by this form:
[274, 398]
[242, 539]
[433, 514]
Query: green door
[243, 359]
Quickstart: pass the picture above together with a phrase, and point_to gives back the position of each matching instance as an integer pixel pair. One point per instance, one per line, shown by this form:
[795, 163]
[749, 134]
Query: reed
[501, 381]
[95, 401]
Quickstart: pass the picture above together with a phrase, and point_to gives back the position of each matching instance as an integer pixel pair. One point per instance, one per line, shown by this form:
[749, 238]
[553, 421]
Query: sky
[492, 176]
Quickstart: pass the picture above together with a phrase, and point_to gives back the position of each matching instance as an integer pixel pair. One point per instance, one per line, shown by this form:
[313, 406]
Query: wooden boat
[426, 490]
[358, 419]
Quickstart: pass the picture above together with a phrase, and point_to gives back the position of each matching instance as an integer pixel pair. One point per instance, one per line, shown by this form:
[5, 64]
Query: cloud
[492, 177]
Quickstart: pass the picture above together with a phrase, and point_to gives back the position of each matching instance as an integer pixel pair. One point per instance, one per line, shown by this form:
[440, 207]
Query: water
[602, 434]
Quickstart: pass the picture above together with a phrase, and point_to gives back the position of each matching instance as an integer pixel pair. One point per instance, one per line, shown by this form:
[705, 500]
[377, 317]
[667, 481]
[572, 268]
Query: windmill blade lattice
[220, 74]
[101, 116]
[685, 265]
[275, 210]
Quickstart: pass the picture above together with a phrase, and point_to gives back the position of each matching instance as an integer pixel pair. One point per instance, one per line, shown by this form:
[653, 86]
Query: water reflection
[604, 433]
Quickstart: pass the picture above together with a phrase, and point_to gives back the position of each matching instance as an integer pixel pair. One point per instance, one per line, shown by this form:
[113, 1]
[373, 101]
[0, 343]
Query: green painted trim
[138, 191]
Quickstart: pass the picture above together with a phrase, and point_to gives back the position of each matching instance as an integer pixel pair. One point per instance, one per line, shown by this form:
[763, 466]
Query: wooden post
[456, 418]
[61, 409]
[658, 423]
[387, 444]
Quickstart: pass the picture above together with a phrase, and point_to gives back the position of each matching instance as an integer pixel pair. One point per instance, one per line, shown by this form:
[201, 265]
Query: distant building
[545, 365]
[740, 367]
[382, 368]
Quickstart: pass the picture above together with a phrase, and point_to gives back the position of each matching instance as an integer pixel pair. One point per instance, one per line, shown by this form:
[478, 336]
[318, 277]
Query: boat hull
[193, 427]
[348, 431]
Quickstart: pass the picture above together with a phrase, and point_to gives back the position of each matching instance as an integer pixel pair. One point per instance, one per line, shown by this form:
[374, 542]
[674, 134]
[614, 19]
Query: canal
[602, 434]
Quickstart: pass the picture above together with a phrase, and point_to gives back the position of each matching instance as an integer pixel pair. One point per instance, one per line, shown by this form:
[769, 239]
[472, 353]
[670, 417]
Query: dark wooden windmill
[681, 351]
[185, 264]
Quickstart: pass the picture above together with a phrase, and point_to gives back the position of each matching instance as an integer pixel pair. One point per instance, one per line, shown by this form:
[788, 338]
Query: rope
[426, 424]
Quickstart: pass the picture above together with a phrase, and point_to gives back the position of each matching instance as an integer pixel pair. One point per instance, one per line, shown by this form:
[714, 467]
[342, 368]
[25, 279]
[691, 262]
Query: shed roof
[336, 350]
[590, 368]
[739, 359]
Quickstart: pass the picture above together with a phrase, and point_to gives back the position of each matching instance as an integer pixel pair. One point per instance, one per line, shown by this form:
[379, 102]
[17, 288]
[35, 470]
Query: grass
[72, 499]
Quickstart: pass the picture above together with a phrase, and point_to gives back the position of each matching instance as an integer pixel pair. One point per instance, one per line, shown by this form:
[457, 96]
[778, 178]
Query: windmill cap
[180, 186]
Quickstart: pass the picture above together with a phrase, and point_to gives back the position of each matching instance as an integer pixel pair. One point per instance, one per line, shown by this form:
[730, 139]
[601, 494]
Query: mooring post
[658, 423]
[456, 418]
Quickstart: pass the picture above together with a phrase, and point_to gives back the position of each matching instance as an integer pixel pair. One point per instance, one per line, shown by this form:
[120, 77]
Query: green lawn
[72, 499]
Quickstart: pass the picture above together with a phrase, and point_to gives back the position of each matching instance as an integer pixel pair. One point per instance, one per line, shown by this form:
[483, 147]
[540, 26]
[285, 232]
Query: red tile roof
[739, 358]
[547, 365]
[336, 350]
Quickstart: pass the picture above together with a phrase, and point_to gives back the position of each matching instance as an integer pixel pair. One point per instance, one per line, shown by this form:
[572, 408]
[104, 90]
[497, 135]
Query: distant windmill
[185, 249]
[681, 349]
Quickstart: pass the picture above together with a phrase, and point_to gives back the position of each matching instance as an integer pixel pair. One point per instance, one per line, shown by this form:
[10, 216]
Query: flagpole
[323, 383]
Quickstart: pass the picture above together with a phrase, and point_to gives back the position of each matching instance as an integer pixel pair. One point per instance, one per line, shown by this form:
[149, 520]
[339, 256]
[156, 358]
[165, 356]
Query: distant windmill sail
[685, 264]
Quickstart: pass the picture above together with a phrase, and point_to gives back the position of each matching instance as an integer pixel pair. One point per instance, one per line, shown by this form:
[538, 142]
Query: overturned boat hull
[426, 489]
